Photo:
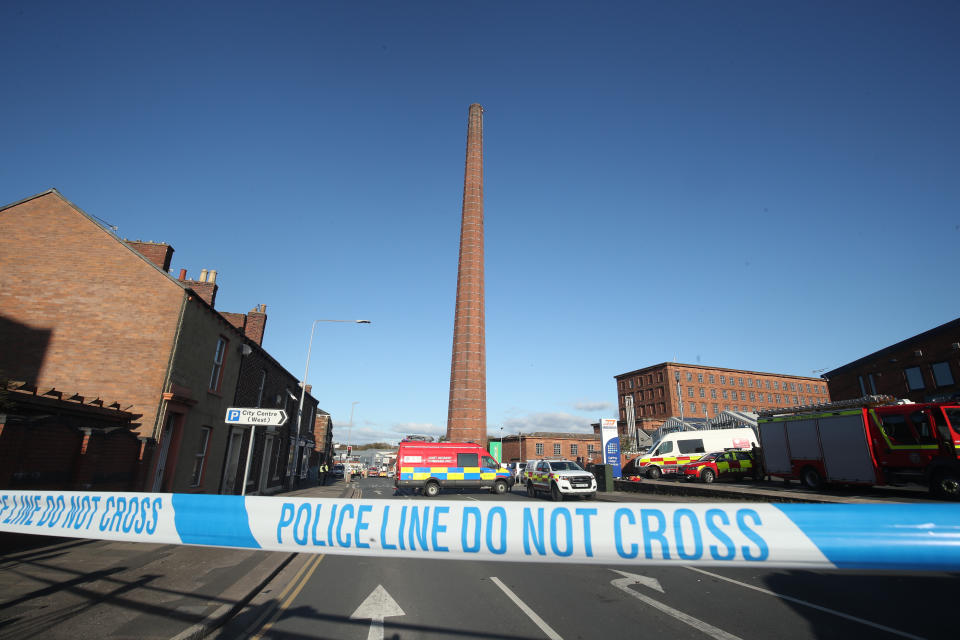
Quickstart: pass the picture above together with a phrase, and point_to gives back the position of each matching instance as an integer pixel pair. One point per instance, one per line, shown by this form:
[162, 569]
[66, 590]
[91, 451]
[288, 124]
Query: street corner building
[116, 375]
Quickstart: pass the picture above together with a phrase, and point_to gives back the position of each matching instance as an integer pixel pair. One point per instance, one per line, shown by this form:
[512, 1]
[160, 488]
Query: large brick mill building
[101, 318]
[658, 391]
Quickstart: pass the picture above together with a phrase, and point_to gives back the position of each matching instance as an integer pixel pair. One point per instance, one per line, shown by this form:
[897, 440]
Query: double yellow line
[293, 589]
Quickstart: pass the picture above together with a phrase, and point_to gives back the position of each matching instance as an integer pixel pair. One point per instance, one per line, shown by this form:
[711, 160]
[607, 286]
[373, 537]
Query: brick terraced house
[83, 310]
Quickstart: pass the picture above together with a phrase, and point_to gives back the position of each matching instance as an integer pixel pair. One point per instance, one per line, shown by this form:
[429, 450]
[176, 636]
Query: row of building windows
[660, 409]
[775, 385]
[557, 449]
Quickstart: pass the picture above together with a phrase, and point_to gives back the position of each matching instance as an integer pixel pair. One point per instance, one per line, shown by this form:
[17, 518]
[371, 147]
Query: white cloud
[593, 406]
[392, 433]
[555, 422]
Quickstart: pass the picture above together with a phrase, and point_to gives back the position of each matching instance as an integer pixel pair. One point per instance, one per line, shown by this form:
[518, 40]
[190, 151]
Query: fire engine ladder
[856, 403]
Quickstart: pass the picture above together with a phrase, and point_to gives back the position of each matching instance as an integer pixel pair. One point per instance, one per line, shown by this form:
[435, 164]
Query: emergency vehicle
[871, 440]
[720, 465]
[431, 466]
[558, 478]
[678, 448]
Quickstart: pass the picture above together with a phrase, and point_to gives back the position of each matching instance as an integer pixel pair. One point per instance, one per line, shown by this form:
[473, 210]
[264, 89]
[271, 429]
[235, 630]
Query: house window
[573, 450]
[710, 378]
[539, 448]
[591, 449]
[914, 378]
[713, 393]
[703, 407]
[723, 380]
[216, 376]
[703, 393]
[693, 407]
[200, 457]
[741, 381]
[689, 376]
[700, 378]
[690, 391]
[556, 449]
[942, 377]
[750, 382]
[725, 394]
[716, 408]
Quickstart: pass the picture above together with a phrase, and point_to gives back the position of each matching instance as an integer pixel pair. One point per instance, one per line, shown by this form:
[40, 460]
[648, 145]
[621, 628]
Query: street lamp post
[303, 392]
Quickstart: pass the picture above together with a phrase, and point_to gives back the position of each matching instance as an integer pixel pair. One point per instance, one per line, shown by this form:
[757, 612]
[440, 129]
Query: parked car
[338, 471]
[720, 465]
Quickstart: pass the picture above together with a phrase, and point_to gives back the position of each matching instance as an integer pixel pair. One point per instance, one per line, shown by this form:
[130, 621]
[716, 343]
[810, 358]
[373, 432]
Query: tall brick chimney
[159, 253]
[256, 323]
[467, 411]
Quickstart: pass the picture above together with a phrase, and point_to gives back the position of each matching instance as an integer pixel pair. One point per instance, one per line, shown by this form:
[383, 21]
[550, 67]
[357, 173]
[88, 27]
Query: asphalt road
[343, 597]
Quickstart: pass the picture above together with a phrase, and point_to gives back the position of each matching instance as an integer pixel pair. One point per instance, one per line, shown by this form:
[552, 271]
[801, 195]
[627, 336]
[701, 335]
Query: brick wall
[159, 253]
[108, 317]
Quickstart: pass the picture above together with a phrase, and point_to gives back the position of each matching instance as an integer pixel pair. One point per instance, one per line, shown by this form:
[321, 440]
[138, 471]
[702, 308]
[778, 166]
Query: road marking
[306, 571]
[632, 578]
[700, 625]
[375, 608]
[469, 498]
[553, 635]
[840, 614]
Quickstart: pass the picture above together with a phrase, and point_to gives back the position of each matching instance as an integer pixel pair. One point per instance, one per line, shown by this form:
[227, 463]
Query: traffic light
[349, 450]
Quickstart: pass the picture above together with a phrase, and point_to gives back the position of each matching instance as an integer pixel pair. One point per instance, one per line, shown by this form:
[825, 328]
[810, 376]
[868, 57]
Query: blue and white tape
[862, 536]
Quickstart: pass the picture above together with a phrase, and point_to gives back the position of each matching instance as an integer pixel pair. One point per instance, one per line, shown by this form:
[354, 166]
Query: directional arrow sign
[375, 608]
[252, 415]
[632, 578]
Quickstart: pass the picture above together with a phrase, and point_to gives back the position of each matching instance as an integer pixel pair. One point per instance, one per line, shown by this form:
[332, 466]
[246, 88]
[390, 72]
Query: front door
[233, 461]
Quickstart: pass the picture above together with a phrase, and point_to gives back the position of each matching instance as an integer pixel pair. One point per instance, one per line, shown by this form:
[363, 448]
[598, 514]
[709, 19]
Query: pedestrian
[324, 469]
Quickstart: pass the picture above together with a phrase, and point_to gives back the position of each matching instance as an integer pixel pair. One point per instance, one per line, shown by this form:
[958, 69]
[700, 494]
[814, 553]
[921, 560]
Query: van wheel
[654, 472]
[555, 493]
[531, 492]
[499, 487]
[946, 484]
[431, 490]
[811, 478]
[707, 476]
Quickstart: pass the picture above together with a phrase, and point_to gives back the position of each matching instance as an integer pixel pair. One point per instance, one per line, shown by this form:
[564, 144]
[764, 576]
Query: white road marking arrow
[375, 608]
[630, 578]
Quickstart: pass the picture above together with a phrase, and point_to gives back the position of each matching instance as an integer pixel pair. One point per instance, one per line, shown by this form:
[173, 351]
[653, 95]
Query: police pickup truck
[559, 478]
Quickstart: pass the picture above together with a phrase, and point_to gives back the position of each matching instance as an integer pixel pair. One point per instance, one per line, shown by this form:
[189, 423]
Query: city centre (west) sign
[269, 417]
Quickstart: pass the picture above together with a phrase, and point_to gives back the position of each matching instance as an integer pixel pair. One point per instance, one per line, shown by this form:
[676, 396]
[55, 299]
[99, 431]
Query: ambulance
[679, 448]
[432, 466]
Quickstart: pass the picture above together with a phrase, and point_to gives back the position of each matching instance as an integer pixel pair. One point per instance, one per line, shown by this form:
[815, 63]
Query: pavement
[74, 588]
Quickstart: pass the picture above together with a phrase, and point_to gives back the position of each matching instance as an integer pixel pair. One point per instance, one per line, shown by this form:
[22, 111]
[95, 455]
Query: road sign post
[254, 416]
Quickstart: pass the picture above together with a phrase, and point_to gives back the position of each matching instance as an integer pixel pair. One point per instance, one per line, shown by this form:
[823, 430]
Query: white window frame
[557, 449]
[539, 448]
[199, 458]
[216, 375]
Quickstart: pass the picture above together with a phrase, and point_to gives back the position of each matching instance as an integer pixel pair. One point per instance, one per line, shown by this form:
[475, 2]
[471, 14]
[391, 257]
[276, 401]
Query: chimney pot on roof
[183, 275]
[212, 276]
[203, 275]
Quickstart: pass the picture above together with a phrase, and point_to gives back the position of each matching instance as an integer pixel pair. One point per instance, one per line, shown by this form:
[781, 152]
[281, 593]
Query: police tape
[851, 536]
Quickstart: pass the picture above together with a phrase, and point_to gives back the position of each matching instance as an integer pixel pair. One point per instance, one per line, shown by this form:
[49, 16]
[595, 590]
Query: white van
[681, 447]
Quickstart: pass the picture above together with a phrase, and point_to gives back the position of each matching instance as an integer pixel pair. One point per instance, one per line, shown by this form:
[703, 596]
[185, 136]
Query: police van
[679, 448]
[432, 466]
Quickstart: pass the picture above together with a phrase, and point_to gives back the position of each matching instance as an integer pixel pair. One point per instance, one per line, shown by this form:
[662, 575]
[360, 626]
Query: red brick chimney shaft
[467, 412]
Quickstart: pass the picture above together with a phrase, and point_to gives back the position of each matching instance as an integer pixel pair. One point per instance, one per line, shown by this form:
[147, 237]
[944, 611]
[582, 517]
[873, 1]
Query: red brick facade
[707, 391]
[922, 368]
[467, 412]
[584, 447]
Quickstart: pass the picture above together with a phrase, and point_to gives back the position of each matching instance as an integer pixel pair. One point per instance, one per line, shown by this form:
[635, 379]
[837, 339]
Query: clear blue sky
[760, 185]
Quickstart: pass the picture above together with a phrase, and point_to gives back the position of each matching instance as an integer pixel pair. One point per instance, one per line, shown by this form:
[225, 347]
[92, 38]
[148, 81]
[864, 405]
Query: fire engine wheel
[707, 476]
[431, 489]
[499, 487]
[531, 492]
[946, 484]
[654, 472]
[811, 478]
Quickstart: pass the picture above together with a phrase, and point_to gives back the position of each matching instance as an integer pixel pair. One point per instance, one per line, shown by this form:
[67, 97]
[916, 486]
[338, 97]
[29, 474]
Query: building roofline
[952, 324]
[703, 366]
